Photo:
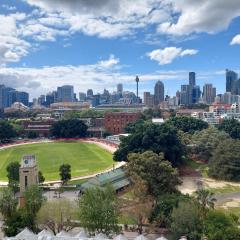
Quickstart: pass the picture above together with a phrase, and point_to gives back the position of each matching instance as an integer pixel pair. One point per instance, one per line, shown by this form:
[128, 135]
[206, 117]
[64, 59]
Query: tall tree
[65, 173]
[57, 215]
[206, 141]
[187, 124]
[158, 173]
[6, 131]
[41, 178]
[140, 206]
[219, 226]
[225, 161]
[8, 203]
[186, 221]
[98, 211]
[232, 127]
[34, 200]
[206, 201]
[72, 128]
[13, 175]
[157, 138]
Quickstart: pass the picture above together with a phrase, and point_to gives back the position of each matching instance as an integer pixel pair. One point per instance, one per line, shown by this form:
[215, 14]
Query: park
[85, 158]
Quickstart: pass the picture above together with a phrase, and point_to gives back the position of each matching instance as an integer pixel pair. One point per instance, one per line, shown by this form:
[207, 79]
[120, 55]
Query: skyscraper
[82, 97]
[186, 94]
[65, 93]
[231, 78]
[89, 93]
[192, 78]
[119, 88]
[158, 93]
[148, 99]
[209, 93]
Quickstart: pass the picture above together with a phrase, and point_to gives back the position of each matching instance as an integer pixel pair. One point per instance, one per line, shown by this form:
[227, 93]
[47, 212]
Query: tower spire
[137, 81]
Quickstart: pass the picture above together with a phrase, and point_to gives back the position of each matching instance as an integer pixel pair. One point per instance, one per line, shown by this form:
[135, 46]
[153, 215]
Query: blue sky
[97, 44]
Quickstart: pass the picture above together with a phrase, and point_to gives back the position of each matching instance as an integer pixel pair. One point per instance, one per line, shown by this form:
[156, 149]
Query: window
[26, 181]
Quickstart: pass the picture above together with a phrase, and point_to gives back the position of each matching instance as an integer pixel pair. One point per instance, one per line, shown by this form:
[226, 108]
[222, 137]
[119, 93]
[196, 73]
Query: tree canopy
[206, 141]
[65, 172]
[98, 211]
[231, 126]
[72, 128]
[225, 161]
[6, 131]
[157, 138]
[187, 124]
[186, 221]
[219, 226]
[159, 175]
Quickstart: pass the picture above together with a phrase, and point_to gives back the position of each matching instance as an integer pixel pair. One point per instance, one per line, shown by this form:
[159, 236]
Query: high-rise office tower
[231, 78]
[65, 93]
[192, 78]
[22, 97]
[119, 88]
[89, 93]
[82, 97]
[148, 99]
[209, 93]
[186, 94]
[158, 93]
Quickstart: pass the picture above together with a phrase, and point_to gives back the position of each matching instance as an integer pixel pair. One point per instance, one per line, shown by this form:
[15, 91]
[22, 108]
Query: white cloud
[112, 61]
[188, 52]
[235, 40]
[168, 54]
[195, 16]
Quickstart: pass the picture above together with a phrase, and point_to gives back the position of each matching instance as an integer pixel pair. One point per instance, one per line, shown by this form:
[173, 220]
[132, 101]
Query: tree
[140, 206]
[187, 124]
[206, 201]
[163, 207]
[6, 131]
[98, 211]
[219, 226]
[232, 127]
[158, 173]
[34, 200]
[57, 215]
[8, 208]
[206, 141]
[13, 175]
[186, 221]
[72, 128]
[65, 173]
[157, 138]
[151, 113]
[225, 161]
[8, 203]
[32, 135]
[41, 178]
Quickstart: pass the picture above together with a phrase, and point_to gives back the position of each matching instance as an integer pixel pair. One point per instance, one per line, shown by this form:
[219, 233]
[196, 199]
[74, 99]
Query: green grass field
[84, 158]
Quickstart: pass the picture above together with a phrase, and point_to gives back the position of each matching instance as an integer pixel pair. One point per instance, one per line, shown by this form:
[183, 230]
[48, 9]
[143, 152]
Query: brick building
[115, 122]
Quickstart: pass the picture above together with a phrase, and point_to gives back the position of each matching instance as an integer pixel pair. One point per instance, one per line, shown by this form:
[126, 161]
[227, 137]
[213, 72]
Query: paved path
[102, 144]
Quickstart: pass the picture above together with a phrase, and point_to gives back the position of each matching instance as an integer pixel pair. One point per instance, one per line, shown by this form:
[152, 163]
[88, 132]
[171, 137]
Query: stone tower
[28, 174]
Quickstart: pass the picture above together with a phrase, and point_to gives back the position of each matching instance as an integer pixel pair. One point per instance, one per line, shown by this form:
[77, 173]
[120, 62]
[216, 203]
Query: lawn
[84, 158]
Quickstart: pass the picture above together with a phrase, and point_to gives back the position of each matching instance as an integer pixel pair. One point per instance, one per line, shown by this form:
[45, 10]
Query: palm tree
[206, 200]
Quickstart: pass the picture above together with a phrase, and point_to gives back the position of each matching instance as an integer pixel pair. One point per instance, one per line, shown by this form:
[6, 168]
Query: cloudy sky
[96, 44]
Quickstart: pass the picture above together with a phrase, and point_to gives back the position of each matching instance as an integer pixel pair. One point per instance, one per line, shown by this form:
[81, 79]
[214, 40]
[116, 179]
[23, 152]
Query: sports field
[84, 158]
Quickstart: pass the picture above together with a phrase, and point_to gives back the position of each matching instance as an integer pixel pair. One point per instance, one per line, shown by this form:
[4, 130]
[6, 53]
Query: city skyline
[87, 44]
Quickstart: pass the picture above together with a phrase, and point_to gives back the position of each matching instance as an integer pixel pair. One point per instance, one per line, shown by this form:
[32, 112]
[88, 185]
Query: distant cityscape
[189, 94]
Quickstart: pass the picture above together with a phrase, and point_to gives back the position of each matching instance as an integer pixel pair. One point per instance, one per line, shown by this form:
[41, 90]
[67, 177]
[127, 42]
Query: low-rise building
[115, 122]
[116, 178]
